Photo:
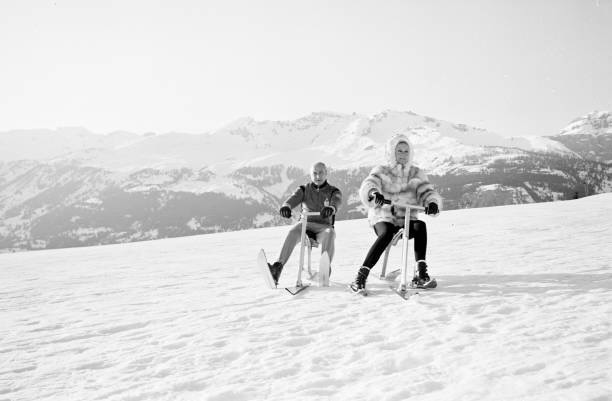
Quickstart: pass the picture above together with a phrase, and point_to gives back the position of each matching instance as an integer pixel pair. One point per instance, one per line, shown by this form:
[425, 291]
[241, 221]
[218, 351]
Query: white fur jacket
[397, 183]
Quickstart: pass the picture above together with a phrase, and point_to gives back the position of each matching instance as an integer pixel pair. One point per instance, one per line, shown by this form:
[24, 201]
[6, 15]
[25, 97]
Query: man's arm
[335, 200]
[296, 198]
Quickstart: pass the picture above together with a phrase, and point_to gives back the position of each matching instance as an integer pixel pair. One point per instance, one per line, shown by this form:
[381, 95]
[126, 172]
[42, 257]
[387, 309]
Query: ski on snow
[405, 293]
[262, 263]
[323, 274]
[296, 290]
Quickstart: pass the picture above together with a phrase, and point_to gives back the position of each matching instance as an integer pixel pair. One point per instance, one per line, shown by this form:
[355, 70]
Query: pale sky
[516, 67]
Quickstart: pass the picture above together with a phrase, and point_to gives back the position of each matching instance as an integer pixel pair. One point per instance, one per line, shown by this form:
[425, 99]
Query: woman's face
[402, 153]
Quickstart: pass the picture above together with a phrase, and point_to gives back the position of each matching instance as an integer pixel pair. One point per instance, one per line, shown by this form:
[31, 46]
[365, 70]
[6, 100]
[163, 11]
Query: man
[316, 196]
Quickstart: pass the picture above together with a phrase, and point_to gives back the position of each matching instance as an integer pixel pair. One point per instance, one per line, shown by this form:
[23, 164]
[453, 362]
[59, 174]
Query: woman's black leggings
[385, 232]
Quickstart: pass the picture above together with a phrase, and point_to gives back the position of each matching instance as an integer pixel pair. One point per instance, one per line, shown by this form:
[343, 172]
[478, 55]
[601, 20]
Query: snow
[522, 312]
[544, 144]
[491, 187]
[193, 224]
[280, 187]
[262, 219]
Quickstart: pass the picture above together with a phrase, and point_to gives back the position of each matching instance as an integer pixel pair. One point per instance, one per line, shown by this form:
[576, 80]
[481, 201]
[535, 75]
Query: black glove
[327, 211]
[285, 211]
[432, 208]
[378, 198]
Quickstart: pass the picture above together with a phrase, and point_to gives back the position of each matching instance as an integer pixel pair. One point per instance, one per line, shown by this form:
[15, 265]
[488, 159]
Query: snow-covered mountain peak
[594, 123]
[345, 140]
[237, 123]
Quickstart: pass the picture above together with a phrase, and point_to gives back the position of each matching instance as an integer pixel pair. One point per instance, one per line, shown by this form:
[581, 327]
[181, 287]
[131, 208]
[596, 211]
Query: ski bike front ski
[323, 276]
[296, 290]
[405, 293]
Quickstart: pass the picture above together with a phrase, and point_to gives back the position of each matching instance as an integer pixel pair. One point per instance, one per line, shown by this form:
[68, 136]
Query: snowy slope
[522, 313]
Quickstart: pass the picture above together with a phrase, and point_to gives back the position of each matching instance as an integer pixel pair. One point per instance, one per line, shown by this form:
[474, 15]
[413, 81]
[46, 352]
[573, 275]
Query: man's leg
[293, 238]
[327, 238]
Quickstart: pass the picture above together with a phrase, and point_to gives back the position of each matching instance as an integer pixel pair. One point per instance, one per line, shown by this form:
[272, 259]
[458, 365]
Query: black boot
[422, 279]
[360, 280]
[275, 270]
[422, 267]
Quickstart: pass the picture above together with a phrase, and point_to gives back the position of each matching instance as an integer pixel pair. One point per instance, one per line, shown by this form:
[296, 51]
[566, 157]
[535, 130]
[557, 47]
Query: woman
[397, 181]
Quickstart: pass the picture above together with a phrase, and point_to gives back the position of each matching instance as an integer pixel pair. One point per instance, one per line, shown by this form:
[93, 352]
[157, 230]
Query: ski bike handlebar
[298, 217]
[403, 205]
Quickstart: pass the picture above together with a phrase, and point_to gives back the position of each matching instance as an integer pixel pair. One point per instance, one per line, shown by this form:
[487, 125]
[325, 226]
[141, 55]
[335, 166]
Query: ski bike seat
[311, 243]
[396, 238]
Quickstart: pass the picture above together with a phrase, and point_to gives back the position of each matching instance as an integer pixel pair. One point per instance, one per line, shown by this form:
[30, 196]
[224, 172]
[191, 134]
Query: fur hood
[390, 150]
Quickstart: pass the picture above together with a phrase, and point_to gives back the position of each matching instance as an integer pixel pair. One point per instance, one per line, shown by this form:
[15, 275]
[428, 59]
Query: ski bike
[403, 286]
[305, 243]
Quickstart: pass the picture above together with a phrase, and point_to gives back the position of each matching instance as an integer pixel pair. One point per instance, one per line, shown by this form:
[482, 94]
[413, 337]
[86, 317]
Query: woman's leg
[418, 231]
[384, 234]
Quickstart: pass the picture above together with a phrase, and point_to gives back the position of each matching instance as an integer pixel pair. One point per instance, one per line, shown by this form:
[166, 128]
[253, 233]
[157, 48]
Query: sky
[513, 67]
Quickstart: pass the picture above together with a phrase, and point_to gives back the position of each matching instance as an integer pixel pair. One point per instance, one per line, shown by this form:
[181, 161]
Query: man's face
[318, 174]
[402, 153]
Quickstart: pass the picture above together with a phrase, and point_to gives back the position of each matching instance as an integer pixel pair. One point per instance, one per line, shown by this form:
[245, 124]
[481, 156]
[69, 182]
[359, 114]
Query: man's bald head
[318, 165]
[318, 173]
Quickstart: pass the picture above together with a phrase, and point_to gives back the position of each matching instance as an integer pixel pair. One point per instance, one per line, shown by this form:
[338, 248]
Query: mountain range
[71, 187]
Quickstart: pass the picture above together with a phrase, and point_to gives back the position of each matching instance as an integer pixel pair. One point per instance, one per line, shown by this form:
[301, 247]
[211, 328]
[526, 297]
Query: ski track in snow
[522, 312]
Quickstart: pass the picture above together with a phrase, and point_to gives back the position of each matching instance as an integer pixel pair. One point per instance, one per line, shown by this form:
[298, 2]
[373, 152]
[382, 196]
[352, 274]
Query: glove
[285, 211]
[378, 198]
[432, 208]
[327, 211]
